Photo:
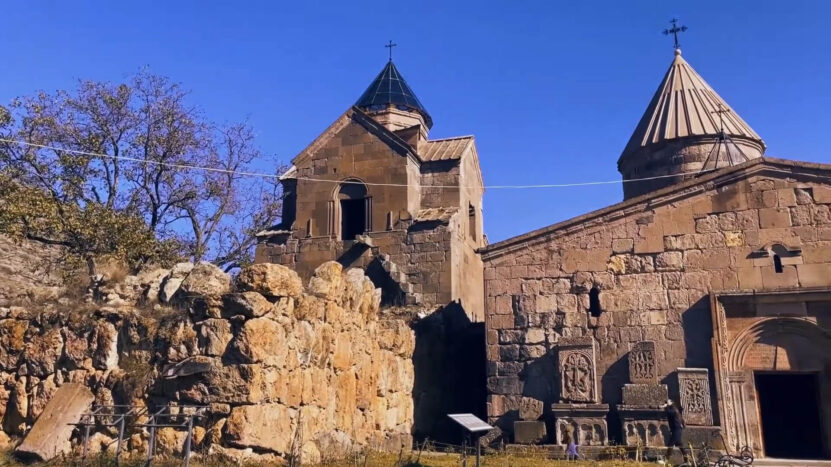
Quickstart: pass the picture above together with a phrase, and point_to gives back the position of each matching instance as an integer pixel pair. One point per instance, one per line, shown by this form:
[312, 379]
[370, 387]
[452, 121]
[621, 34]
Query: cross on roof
[674, 30]
[721, 111]
[390, 46]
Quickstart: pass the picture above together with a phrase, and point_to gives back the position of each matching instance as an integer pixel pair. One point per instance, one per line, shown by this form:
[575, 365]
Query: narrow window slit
[594, 302]
[777, 264]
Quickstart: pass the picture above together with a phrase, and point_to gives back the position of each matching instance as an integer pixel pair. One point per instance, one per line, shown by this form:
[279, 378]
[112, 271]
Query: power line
[310, 179]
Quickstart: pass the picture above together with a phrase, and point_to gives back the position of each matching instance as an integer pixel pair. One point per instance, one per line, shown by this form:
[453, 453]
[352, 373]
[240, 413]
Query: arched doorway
[355, 209]
[777, 387]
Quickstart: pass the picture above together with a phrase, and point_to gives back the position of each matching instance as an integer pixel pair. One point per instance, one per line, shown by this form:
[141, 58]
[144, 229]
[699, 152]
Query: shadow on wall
[697, 324]
[611, 392]
[449, 361]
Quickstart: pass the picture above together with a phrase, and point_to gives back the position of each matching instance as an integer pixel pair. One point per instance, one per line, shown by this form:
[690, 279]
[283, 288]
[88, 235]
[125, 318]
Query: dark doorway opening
[790, 411]
[353, 218]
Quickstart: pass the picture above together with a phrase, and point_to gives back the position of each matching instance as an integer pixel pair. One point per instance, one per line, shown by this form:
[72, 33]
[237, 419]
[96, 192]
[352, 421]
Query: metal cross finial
[721, 111]
[390, 46]
[674, 30]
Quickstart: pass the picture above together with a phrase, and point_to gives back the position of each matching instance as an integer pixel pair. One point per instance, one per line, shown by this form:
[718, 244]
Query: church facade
[710, 284]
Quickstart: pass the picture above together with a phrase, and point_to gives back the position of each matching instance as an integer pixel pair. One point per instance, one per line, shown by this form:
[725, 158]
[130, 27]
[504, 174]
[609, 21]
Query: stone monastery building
[710, 283]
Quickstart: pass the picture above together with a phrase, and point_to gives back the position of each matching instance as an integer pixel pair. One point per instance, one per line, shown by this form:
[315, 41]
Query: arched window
[355, 209]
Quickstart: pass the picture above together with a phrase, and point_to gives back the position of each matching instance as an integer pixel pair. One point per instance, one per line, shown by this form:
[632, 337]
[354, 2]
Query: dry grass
[373, 459]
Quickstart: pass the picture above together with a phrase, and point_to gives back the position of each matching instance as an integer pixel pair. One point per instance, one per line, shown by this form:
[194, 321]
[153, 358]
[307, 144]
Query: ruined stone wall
[285, 370]
[654, 265]
[421, 254]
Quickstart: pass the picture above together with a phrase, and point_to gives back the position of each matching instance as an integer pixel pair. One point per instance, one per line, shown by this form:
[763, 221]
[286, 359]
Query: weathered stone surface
[205, 280]
[576, 365]
[530, 408]
[529, 432]
[248, 304]
[643, 368]
[271, 280]
[214, 335]
[105, 356]
[171, 283]
[262, 340]
[12, 342]
[694, 388]
[648, 395]
[255, 427]
[327, 281]
[42, 353]
[49, 436]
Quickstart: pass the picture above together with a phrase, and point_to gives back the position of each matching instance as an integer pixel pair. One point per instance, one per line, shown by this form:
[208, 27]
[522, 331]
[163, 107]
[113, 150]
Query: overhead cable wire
[311, 179]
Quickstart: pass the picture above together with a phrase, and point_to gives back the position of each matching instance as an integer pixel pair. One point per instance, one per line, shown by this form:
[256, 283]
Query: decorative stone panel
[694, 387]
[576, 367]
[642, 365]
[584, 422]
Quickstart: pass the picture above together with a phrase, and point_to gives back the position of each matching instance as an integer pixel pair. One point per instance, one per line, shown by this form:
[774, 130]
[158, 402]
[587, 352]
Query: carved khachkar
[642, 367]
[694, 388]
[575, 364]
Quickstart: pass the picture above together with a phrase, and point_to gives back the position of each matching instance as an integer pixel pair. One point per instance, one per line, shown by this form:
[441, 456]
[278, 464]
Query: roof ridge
[449, 138]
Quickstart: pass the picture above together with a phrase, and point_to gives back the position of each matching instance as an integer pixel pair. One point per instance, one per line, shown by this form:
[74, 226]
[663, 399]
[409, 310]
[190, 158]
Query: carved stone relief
[576, 367]
[694, 387]
[642, 367]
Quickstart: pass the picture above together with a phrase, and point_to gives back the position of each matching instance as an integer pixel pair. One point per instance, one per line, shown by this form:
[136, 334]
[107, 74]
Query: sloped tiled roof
[685, 105]
[390, 88]
[444, 149]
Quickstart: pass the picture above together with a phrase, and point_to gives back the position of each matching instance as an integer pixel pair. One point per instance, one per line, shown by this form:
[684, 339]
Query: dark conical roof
[389, 88]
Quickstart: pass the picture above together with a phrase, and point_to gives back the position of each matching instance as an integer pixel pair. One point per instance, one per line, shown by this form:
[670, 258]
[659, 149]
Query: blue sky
[552, 90]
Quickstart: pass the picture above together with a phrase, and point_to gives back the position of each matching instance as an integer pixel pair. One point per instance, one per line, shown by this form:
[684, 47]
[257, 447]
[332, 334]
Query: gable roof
[444, 149]
[390, 88]
[672, 193]
[356, 115]
[685, 105]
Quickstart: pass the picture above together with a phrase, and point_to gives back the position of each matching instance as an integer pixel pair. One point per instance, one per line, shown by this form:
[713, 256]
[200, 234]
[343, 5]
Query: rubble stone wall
[285, 370]
[654, 265]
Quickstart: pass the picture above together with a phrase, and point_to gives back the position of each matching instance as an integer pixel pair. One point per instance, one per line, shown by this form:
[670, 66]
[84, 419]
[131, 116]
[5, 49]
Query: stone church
[709, 284]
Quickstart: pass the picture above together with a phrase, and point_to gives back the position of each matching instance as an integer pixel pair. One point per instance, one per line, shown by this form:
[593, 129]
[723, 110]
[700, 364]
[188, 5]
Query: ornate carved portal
[575, 361]
[771, 333]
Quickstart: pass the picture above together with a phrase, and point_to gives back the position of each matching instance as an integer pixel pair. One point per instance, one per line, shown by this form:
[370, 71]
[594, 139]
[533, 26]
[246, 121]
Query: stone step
[773, 462]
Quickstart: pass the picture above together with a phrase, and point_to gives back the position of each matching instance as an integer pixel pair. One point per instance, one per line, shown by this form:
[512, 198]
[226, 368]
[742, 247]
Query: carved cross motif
[642, 367]
[575, 364]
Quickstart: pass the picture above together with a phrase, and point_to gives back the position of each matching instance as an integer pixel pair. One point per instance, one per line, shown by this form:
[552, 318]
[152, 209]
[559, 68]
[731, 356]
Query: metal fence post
[187, 441]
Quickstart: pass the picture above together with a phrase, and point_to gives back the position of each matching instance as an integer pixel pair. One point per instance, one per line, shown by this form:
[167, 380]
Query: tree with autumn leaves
[107, 170]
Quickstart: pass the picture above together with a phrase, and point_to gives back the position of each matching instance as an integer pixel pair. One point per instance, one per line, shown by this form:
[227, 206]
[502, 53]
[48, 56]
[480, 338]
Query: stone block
[694, 388]
[584, 422]
[526, 432]
[643, 426]
[772, 218]
[623, 245]
[530, 408]
[648, 395]
[642, 363]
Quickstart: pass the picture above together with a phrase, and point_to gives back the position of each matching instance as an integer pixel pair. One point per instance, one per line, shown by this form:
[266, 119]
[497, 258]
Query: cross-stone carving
[694, 387]
[642, 367]
[575, 362]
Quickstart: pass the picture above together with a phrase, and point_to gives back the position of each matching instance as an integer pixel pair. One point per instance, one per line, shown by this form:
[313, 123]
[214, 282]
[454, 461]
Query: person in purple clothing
[571, 447]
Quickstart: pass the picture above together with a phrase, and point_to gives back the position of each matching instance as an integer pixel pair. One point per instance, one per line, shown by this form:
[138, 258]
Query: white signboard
[470, 422]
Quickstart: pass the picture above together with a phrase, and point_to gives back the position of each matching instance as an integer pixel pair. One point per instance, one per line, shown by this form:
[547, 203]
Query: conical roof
[390, 88]
[685, 106]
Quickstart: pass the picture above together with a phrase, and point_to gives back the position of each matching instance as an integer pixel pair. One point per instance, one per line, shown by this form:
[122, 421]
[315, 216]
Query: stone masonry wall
[654, 264]
[285, 371]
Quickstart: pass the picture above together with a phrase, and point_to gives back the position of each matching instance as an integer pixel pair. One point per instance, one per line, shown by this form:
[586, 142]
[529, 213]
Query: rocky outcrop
[284, 371]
